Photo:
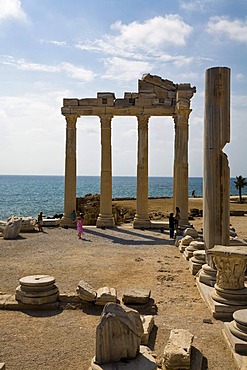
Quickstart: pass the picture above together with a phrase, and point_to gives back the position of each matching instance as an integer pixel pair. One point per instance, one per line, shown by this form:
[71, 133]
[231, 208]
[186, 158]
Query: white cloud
[194, 5]
[240, 77]
[122, 69]
[153, 36]
[72, 70]
[235, 30]
[12, 9]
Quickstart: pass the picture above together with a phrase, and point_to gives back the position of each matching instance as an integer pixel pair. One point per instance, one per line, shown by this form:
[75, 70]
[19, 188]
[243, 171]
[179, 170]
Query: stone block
[118, 334]
[3, 299]
[70, 102]
[2, 366]
[86, 292]
[136, 296]
[177, 353]
[190, 231]
[105, 295]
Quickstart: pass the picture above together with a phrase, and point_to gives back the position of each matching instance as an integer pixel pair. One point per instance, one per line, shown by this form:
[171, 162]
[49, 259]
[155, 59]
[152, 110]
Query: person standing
[177, 217]
[40, 221]
[80, 226]
[73, 215]
[171, 225]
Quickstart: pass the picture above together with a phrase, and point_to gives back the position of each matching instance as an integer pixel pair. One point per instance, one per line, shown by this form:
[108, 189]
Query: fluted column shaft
[142, 217]
[180, 169]
[105, 217]
[70, 170]
[216, 177]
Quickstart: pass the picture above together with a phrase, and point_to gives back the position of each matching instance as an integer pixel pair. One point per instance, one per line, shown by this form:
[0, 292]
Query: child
[171, 225]
[80, 226]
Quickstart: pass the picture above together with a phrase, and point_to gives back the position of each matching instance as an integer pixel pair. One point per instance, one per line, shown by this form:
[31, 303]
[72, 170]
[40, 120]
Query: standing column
[180, 170]
[142, 217]
[70, 170]
[216, 176]
[105, 217]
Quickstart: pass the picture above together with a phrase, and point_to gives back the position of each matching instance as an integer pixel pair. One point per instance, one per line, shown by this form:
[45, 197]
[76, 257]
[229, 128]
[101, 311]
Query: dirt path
[121, 258]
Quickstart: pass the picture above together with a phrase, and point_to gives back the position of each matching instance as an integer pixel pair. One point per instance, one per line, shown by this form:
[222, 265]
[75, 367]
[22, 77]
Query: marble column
[70, 170]
[142, 217]
[216, 176]
[106, 218]
[180, 170]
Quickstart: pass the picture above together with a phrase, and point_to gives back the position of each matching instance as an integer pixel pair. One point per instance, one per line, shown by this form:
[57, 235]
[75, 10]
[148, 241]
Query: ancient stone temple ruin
[155, 97]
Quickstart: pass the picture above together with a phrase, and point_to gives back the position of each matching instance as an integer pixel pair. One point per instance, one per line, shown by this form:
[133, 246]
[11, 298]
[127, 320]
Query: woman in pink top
[80, 226]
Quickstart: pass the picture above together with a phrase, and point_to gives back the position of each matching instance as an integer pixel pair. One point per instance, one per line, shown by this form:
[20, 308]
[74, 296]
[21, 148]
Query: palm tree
[240, 183]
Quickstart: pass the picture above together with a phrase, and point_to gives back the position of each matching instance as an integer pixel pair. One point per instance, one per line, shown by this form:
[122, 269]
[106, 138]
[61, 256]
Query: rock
[105, 295]
[136, 296]
[118, 334]
[186, 240]
[190, 231]
[11, 228]
[86, 292]
[177, 353]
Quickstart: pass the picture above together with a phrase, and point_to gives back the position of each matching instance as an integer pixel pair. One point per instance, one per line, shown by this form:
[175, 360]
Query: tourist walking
[171, 225]
[177, 217]
[80, 226]
[40, 221]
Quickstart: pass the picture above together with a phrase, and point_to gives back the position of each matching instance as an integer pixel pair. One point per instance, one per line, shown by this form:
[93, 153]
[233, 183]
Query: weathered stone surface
[34, 294]
[105, 295]
[3, 299]
[186, 240]
[118, 334]
[28, 224]
[2, 366]
[148, 324]
[37, 280]
[177, 353]
[190, 231]
[11, 228]
[136, 296]
[69, 298]
[37, 300]
[144, 361]
[86, 292]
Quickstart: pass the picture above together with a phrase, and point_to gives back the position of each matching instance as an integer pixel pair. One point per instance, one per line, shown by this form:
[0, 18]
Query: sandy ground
[122, 258]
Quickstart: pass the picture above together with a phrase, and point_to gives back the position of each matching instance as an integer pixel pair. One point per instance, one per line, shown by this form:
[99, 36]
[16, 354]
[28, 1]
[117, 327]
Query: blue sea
[28, 195]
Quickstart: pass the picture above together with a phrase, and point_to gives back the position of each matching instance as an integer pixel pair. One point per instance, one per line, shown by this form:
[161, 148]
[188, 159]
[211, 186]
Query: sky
[56, 49]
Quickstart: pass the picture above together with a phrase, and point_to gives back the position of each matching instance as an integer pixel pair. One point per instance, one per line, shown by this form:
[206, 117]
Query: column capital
[143, 118]
[105, 117]
[71, 120]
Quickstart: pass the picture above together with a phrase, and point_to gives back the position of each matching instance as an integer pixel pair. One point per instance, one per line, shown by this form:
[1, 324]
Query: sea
[28, 195]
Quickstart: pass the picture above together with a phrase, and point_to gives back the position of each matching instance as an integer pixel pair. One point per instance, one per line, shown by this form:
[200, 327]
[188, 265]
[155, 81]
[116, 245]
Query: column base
[141, 221]
[105, 221]
[67, 221]
[207, 275]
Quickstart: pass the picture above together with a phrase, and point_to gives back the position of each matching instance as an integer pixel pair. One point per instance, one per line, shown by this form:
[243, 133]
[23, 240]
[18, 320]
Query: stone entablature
[156, 97]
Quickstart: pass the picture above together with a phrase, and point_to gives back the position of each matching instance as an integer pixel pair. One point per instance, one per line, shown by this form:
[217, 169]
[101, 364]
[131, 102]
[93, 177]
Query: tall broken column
[216, 176]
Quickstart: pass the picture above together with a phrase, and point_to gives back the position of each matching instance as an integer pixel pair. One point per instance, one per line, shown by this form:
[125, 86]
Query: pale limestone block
[190, 231]
[118, 334]
[37, 280]
[136, 296]
[177, 353]
[105, 295]
[186, 240]
[2, 366]
[12, 228]
[86, 292]
[148, 324]
[3, 299]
